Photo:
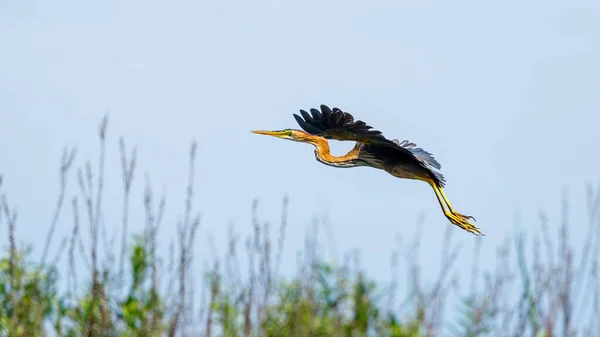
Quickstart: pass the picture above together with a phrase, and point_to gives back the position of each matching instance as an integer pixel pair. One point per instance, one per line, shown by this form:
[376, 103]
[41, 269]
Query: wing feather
[316, 114]
[337, 124]
[423, 156]
[306, 116]
[307, 126]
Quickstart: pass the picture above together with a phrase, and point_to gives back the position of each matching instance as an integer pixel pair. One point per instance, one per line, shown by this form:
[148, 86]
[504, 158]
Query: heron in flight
[400, 159]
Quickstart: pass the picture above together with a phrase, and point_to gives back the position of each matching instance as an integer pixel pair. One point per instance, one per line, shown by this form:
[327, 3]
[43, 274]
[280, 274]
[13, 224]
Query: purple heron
[400, 159]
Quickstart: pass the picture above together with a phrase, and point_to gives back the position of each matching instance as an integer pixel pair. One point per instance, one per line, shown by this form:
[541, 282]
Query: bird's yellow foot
[465, 217]
[462, 221]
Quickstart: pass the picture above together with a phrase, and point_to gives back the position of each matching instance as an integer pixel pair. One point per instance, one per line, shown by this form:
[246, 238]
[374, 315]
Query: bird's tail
[438, 178]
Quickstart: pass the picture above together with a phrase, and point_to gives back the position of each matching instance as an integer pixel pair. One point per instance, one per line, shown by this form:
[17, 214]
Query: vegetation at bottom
[92, 283]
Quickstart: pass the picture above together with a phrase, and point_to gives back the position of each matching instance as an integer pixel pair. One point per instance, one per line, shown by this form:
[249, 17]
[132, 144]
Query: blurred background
[504, 94]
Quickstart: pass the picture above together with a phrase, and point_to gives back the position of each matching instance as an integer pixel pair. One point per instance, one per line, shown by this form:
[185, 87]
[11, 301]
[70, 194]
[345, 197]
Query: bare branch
[127, 170]
[66, 163]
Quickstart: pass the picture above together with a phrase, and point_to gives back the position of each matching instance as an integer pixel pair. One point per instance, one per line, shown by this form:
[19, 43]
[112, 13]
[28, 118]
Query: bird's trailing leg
[403, 170]
[466, 217]
[455, 218]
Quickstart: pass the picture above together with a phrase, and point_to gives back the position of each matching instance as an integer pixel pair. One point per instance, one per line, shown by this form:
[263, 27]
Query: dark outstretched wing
[339, 125]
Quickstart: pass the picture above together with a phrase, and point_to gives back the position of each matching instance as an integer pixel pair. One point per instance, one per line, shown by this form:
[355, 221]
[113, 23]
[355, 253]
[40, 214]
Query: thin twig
[15, 286]
[66, 163]
[74, 236]
[127, 170]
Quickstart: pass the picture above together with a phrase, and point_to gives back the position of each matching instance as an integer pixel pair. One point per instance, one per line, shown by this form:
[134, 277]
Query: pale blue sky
[504, 94]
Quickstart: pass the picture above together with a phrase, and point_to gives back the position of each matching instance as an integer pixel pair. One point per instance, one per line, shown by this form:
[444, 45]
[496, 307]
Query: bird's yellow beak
[278, 134]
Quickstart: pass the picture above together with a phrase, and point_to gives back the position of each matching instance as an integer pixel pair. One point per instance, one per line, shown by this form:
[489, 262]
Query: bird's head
[289, 134]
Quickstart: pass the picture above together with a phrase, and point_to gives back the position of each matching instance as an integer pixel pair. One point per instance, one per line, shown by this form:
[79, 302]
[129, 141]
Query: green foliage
[142, 311]
[299, 308]
[27, 296]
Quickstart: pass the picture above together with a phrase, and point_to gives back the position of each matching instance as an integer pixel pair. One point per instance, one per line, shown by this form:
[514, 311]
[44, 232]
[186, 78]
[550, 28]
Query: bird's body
[398, 163]
[400, 159]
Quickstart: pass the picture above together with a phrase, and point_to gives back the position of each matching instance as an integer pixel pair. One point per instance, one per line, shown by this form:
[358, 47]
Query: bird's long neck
[323, 154]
